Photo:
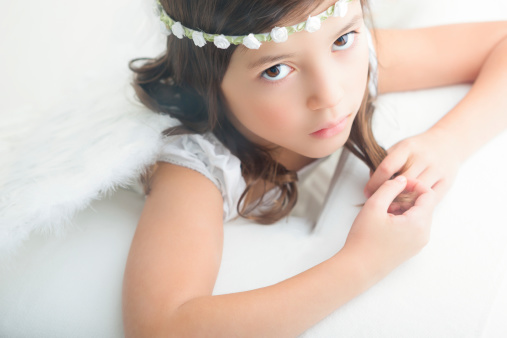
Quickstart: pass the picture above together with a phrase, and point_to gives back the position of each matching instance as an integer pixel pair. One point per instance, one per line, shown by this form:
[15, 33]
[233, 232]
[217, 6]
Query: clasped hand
[386, 231]
[431, 157]
[380, 241]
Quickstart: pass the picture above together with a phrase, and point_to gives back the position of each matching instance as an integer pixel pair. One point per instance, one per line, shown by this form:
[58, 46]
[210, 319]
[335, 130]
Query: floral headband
[253, 41]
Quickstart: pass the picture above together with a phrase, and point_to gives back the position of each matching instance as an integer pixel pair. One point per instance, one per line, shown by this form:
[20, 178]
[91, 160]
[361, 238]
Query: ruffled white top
[205, 154]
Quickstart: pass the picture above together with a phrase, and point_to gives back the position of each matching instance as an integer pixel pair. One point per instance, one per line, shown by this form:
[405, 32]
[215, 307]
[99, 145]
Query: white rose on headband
[164, 29]
[312, 24]
[340, 8]
[279, 34]
[177, 29]
[221, 42]
[251, 41]
[198, 39]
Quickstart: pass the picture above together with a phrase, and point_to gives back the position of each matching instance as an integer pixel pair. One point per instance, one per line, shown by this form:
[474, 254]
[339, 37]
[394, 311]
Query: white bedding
[70, 286]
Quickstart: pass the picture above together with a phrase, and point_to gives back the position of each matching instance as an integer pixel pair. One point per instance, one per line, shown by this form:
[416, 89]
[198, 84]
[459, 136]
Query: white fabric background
[71, 286]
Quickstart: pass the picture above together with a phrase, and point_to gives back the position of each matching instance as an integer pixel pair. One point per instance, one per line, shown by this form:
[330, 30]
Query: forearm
[482, 114]
[285, 309]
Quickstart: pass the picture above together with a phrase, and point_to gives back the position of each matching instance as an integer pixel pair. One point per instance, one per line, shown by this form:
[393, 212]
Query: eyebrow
[273, 58]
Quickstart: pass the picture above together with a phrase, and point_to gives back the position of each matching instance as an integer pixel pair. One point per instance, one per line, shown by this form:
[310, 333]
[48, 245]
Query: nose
[324, 85]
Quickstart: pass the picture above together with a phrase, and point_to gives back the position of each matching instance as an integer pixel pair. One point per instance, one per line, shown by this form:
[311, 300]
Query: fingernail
[401, 179]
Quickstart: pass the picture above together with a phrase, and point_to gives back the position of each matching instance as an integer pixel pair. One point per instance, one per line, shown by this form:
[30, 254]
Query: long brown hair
[184, 82]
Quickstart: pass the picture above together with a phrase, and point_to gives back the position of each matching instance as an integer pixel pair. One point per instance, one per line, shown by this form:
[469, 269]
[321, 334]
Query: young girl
[254, 110]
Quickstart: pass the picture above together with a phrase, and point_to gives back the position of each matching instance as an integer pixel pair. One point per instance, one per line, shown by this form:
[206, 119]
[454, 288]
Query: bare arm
[175, 257]
[438, 56]
[411, 59]
[174, 261]
[451, 54]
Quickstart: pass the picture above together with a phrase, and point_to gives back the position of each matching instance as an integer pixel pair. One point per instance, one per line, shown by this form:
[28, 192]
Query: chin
[320, 150]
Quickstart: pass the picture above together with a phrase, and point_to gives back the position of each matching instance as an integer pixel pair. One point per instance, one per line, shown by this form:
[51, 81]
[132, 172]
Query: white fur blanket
[95, 139]
[72, 155]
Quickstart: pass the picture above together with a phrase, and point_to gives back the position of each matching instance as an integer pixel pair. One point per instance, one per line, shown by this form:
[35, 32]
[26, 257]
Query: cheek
[264, 113]
[277, 115]
[359, 82]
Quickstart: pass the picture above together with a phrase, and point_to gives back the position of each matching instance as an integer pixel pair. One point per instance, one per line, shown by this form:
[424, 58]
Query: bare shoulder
[176, 250]
[435, 56]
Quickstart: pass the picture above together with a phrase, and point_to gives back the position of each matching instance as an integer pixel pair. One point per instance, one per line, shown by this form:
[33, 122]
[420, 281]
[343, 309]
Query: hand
[380, 240]
[430, 157]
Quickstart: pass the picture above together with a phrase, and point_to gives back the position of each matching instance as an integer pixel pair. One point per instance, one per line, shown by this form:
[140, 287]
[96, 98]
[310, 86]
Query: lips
[331, 128]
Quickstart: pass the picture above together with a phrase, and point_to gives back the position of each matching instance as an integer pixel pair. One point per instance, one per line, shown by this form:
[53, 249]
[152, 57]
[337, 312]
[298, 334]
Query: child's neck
[291, 160]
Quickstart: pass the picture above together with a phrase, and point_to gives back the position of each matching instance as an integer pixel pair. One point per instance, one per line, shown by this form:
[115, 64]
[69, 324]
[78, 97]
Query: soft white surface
[70, 286]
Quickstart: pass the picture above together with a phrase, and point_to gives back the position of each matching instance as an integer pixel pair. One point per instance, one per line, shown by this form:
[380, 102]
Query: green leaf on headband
[260, 37]
[169, 22]
[291, 30]
[238, 40]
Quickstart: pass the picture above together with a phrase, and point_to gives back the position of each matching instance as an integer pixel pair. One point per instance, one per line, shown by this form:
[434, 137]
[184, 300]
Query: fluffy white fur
[76, 152]
[71, 130]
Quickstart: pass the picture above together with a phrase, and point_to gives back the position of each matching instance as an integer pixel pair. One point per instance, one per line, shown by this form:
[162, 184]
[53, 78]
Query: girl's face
[301, 95]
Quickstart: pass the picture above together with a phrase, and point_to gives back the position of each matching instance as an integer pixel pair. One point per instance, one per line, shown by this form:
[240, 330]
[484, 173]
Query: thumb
[387, 192]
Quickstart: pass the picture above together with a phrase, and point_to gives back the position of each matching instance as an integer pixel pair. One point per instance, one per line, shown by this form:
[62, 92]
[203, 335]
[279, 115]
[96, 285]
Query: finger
[387, 192]
[399, 208]
[427, 199]
[440, 188]
[415, 186]
[413, 190]
[387, 168]
[429, 177]
[415, 171]
[419, 187]
[393, 208]
[424, 205]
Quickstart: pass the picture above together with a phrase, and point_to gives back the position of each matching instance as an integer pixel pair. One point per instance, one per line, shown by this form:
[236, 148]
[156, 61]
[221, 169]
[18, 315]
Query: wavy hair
[184, 82]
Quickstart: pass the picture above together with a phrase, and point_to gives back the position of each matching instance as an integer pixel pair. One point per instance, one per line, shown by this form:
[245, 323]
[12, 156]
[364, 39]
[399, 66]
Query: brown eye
[273, 71]
[277, 72]
[344, 41]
